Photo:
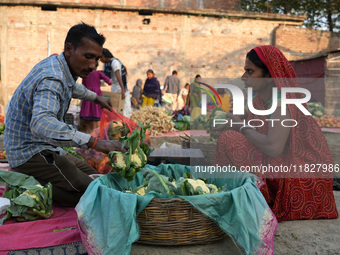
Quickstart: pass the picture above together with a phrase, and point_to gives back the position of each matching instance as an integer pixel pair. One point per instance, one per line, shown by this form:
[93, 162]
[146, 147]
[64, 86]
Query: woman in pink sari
[299, 146]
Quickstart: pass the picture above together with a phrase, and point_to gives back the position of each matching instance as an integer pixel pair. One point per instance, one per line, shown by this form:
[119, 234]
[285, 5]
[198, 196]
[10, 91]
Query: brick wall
[220, 5]
[211, 46]
[300, 42]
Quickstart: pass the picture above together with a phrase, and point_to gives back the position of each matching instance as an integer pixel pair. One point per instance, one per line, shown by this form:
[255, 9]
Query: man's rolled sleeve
[81, 92]
[81, 139]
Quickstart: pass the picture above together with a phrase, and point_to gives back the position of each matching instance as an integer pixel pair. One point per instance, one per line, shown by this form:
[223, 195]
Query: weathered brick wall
[300, 42]
[210, 46]
[220, 5]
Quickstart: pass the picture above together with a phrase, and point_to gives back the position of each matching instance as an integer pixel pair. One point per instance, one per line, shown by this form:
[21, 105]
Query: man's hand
[104, 102]
[106, 146]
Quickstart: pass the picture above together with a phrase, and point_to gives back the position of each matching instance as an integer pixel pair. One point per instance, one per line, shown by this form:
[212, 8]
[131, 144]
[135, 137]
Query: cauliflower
[213, 188]
[30, 194]
[199, 183]
[141, 191]
[135, 158]
[127, 164]
[120, 162]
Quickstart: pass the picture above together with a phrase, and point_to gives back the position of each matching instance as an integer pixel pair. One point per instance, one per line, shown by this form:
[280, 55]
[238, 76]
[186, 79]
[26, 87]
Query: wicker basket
[176, 222]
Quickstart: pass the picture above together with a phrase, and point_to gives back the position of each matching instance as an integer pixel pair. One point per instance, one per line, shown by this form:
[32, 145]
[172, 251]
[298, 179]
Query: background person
[118, 77]
[172, 86]
[91, 112]
[137, 92]
[195, 97]
[152, 90]
[183, 95]
[35, 129]
[275, 145]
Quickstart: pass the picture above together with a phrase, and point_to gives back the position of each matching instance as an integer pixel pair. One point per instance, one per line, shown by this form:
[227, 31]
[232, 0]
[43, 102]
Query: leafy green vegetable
[128, 164]
[29, 200]
[71, 150]
[184, 186]
[158, 183]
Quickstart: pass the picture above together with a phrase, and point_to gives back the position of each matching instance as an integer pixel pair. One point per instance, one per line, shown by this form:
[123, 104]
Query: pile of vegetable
[328, 121]
[180, 113]
[117, 130]
[128, 164]
[3, 155]
[316, 109]
[2, 124]
[160, 120]
[29, 200]
[185, 186]
[182, 123]
[181, 118]
[199, 123]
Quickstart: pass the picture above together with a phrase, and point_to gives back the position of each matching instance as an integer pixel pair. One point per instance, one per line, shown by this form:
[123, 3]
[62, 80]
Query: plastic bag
[99, 160]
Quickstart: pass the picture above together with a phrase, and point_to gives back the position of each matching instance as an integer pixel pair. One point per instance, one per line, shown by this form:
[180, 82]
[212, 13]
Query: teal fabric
[107, 217]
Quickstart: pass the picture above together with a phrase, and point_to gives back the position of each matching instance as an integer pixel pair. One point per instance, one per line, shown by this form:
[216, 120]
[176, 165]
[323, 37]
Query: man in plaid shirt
[35, 127]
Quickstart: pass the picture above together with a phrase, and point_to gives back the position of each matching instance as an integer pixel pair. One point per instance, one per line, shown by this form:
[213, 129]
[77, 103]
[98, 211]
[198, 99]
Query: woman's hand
[234, 122]
[104, 102]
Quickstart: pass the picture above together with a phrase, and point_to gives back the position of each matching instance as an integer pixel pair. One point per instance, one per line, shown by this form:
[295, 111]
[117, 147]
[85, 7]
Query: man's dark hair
[174, 72]
[79, 31]
[106, 53]
[197, 76]
[255, 59]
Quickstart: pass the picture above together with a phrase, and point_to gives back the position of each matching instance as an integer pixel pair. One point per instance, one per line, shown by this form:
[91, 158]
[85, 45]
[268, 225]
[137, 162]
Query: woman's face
[150, 75]
[253, 77]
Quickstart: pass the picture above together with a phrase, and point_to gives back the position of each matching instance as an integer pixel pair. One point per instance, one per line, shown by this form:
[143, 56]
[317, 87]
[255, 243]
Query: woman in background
[152, 89]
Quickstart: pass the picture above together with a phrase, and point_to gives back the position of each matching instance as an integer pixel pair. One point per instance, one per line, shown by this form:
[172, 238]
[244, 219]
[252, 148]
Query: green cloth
[107, 216]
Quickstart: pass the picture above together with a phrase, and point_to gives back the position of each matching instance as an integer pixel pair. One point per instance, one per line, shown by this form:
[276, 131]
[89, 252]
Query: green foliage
[321, 14]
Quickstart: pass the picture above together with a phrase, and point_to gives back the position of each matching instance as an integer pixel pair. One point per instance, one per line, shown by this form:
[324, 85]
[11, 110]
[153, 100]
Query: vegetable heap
[2, 124]
[128, 164]
[184, 186]
[29, 200]
[183, 122]
[316, 109]
[161, 120]
[328, 121]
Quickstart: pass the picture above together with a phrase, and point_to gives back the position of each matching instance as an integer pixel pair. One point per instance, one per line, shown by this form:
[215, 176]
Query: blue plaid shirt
[35, 116]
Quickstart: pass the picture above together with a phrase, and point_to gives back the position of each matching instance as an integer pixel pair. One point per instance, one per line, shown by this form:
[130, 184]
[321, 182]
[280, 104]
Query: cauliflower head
[120, 162]
[199, 183]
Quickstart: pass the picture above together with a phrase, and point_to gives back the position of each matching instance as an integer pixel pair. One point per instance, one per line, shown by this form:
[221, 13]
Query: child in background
[91, 112]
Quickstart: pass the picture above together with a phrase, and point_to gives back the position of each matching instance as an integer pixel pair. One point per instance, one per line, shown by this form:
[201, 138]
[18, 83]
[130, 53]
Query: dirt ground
[321, 237]
[304, 237]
